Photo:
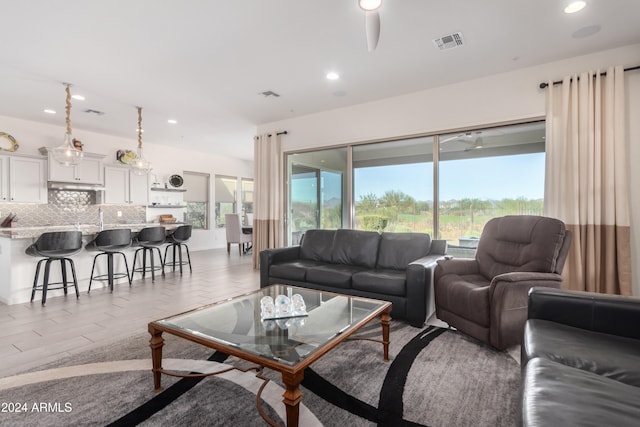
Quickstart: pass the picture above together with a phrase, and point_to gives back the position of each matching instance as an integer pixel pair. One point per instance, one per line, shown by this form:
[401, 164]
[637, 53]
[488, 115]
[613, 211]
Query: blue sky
[483, 178]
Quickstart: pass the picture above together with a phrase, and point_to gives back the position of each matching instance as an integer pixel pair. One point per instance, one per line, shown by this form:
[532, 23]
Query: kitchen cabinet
[4, 179]
[88, 171]
[23, 179]
[124, 187]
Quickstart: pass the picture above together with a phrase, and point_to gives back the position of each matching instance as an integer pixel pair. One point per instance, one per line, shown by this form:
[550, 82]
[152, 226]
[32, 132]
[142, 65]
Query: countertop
[86, 229]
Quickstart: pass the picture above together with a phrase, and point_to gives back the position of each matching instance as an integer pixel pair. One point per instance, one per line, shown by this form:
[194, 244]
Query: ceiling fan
[372, 21]
[474, 139]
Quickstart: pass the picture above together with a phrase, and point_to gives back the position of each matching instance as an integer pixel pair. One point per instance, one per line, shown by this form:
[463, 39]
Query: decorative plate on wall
[176, 181]
[13, 144]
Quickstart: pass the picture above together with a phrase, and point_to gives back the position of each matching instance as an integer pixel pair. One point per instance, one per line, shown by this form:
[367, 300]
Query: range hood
[70, 186]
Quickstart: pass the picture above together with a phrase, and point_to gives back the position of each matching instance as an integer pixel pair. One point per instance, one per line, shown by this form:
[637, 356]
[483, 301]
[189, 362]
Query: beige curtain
[267, 220]
[587, 176]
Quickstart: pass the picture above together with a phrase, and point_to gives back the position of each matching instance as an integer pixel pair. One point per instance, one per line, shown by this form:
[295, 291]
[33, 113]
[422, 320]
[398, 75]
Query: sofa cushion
[386, 282]
[558, 395]
[294, 270]
[397, 250]
[465, 295]
[608, 355]
[316, 245]
[338, 275]
[356, 247]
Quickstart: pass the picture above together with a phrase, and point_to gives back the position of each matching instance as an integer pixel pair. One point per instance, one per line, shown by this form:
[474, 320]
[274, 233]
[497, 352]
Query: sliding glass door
[446, 185]
[393, 186]
[316, 191]
[485, 174]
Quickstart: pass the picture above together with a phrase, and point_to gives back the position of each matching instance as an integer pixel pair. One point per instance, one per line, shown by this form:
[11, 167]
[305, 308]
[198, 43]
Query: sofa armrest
[419, 275]
[609, 314]
[428, 261]
[269, 257]
[438, 247]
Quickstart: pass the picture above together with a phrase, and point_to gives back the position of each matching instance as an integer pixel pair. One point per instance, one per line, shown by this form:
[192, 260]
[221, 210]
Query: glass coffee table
[285, 345]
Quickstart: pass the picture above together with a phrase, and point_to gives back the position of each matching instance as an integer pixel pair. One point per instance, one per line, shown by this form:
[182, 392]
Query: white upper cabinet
[89, 171]
[124, 187]
[139, 189]
[23, 179]
[4, 179]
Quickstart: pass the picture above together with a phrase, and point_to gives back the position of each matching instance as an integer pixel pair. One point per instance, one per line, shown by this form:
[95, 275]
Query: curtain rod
[604, 73]
[284, 132]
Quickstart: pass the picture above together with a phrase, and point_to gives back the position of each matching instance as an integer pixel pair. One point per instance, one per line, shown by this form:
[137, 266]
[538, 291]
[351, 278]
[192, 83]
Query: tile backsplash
[70, 207]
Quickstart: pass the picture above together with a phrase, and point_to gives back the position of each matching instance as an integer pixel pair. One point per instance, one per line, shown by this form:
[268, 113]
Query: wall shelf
[169, 190]
[167, 206]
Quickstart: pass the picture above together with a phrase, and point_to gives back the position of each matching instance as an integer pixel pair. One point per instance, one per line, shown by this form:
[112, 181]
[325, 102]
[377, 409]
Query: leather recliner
[486, 297]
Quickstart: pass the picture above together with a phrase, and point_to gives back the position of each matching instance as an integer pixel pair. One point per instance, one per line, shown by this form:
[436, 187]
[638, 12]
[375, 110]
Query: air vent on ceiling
[269, 93]
[96, 112]
[449, 41]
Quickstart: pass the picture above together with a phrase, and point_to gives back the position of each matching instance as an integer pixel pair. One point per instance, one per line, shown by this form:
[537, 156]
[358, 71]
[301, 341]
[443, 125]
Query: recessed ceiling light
[78, 97]
[172, 121]
[333, 76]
[49, 111]
[575, 6]
[370, 4]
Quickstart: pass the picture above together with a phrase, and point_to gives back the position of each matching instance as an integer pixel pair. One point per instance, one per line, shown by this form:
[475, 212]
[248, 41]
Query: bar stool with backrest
[148, 239]
[177, 240]
[55, 246]
[110, 243]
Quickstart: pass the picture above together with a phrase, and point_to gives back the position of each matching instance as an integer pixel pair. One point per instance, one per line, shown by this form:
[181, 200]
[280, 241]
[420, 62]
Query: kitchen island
[17, 269]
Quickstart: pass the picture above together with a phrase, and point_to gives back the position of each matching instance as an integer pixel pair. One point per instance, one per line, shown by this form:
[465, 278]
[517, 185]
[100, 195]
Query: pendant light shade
[140, 166]
[67, 154]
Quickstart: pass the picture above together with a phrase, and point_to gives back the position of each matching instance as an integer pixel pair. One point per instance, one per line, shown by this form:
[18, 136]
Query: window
[225, 197]
[485, 174]
[446, 185]
[317, 191]
[197, 199]
[247, 200]
[393, 186]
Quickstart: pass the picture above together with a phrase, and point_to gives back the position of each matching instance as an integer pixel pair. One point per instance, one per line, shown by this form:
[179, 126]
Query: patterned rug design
[436, 377]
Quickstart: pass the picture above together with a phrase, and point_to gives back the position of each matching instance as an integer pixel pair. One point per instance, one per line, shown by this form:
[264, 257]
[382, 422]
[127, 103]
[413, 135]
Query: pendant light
[67, 154]
[140, 166]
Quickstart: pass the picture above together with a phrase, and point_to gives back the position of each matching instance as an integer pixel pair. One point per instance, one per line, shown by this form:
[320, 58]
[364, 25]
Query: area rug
[436, 377]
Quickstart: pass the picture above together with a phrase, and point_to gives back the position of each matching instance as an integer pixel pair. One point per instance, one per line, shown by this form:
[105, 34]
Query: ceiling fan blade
[372, 28]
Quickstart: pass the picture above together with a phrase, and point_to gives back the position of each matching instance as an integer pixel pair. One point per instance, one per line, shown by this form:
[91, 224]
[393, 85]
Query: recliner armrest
[461, 266]
[525, 276]
[609, 314]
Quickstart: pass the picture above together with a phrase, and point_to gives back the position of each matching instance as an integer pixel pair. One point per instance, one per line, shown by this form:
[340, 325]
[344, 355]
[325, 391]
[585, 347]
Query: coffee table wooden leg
[156, 342]
[385, 319]
[292, 396]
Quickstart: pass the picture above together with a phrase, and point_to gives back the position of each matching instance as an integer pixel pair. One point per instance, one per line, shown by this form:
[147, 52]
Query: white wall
[490, 100]
[165, 161]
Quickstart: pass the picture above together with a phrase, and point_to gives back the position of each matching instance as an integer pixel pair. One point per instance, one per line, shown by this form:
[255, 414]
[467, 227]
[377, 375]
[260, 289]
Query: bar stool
[177, 240]
[148, 239]
[55, 246]
[110, 243]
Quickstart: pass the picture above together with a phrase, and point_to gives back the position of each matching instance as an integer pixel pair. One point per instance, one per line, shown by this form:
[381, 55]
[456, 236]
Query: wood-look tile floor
[32, 334]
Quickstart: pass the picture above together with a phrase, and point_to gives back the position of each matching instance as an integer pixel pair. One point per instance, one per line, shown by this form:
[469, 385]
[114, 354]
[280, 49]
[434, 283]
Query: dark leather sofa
[395, 267]
[581, 360]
